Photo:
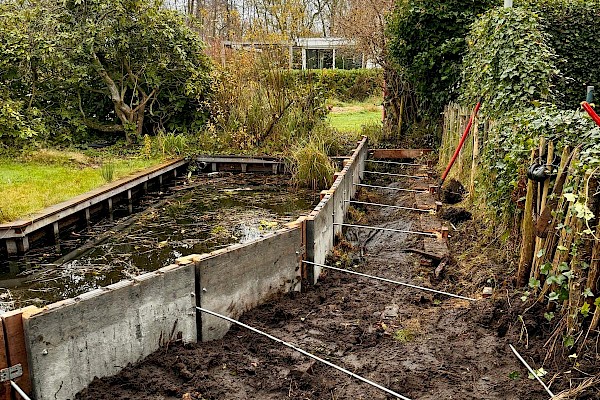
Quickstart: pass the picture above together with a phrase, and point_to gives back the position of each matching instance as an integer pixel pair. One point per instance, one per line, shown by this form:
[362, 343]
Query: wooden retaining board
[16, 234]
[399, 154]
[242, 164]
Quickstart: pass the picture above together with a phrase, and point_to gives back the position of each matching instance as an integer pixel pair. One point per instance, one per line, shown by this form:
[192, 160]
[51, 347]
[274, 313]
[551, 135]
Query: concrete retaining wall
[100, 332]
[242, 277]
[320, 231]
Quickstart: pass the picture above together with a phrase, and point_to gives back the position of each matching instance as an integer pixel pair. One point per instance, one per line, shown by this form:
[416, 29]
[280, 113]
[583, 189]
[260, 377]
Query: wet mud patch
[456, 215]
[453, 192]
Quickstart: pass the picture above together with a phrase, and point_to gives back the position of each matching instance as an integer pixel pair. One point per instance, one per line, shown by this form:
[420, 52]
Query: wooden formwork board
[399, 154]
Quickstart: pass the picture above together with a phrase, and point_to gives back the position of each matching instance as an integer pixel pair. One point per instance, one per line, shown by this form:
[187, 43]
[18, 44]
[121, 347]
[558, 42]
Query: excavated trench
[213, 211]
[424, 346]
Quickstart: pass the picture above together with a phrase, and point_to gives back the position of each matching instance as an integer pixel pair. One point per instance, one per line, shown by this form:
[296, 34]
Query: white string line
[377, 228]
[391, 188]
[391, 281]
[531, 370]
[400, 175]
[299, 350]
[390, 206]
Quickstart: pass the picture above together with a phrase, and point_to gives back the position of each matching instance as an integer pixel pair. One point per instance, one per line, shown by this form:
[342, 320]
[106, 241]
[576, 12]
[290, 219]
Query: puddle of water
[197, 221]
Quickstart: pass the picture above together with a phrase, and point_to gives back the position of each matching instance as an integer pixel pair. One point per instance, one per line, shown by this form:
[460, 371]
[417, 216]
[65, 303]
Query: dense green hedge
[509, 62]
[510, 142]
[573, 28]
[522, 61]
[427, 42]
[346, 85]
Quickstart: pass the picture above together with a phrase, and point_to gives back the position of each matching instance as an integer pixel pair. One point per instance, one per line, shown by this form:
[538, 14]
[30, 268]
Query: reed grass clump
[107, 171]
[311, 167]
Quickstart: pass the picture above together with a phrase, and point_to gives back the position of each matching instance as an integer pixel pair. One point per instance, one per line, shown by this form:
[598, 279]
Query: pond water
[211, 214]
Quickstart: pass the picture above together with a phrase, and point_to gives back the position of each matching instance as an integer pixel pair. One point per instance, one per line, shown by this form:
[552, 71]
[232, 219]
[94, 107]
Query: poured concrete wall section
[99, 333]
[319, 234]
[320, 231]
[241, 277]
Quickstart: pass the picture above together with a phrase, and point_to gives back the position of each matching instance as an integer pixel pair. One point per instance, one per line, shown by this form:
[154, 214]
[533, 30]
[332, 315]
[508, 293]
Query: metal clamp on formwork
[7, 374]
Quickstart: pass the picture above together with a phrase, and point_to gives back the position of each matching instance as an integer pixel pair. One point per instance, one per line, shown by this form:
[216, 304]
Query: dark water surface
[215, 213]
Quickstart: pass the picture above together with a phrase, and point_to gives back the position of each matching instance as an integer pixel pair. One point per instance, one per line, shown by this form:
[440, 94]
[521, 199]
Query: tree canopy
[123, 66]
[427, 41]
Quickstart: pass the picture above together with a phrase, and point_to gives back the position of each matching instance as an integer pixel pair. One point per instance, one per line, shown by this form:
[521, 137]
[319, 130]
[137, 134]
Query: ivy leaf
[568, 341]
[585, 309]
[545, 268]
[553, 296]
[549, 316]
[563, 266]
[561, 248]
[588, 293]
[540, 372]
[570, 197]
[534, 283]
[568, 274]
[541, 253]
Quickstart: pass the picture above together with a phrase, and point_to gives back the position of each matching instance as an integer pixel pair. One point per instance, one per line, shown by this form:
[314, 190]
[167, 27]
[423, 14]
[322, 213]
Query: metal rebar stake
[391, 281]
[390, 206]
[377, 228]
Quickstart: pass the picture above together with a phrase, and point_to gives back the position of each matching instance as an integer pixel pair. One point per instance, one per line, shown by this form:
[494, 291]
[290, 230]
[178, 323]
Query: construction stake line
[531, 371]
[391, 188]
[387, 229]
[396, 163]
[299, 350]
[19, 390]
[391, 281]
[390, 206]
[400, 175]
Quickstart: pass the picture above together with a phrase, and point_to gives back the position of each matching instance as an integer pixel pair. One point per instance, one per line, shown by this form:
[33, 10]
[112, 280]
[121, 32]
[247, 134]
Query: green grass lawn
[351, 117]
[47, 177]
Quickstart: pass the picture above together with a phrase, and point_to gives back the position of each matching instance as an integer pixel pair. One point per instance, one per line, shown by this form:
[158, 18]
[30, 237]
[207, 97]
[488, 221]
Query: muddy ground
[420, 345]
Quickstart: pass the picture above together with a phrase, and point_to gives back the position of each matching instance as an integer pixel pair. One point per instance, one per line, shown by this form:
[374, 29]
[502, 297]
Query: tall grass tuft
[311, 167]
[172, 144]
[108, 171]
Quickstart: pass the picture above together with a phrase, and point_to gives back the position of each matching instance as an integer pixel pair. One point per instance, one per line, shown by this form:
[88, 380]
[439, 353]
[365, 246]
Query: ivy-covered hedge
[507, 151]
[573, 31]
[346, 85]
[509, 63]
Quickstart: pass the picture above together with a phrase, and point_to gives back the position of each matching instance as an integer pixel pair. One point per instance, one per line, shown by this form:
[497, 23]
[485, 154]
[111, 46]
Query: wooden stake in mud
[543, 194]
[528, 236]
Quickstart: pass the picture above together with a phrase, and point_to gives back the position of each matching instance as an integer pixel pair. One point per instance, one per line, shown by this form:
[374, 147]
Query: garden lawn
[29, 185]
[351, 117]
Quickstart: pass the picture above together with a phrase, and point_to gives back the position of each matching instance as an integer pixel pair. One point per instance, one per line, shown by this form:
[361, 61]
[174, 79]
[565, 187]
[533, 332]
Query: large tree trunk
[127, 115]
